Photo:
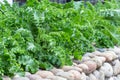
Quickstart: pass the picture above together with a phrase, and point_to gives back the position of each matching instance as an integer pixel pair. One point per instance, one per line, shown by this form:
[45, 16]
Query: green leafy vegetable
[46, 35]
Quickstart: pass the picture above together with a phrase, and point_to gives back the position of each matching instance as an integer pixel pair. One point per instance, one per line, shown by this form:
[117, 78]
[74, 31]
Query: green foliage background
[45, 34]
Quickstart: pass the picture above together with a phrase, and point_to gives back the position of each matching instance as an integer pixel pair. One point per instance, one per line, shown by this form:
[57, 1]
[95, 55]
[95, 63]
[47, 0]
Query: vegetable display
[46, 35]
